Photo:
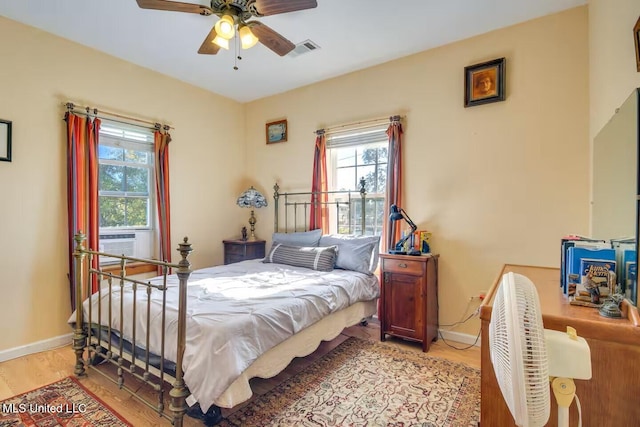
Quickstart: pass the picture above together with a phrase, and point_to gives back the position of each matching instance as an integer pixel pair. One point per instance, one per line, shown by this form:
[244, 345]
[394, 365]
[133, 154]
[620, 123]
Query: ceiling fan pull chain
[238, 57]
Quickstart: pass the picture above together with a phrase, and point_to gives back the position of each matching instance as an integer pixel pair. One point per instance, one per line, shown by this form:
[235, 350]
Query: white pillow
[357, 253]
[301, 238]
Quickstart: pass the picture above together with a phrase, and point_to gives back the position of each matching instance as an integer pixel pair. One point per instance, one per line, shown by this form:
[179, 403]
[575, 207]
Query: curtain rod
[356, 125]
[72, 107]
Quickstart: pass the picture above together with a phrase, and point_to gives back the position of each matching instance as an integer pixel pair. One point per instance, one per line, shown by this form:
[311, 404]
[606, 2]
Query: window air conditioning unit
[117, 244]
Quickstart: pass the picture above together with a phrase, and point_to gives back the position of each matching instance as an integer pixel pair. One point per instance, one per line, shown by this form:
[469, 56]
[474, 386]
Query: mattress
[235, 314]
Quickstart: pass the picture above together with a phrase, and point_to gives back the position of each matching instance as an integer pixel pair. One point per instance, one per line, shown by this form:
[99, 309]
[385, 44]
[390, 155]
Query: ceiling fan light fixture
[225, 27]
[247, 38]
[231, 16]
[222, 42]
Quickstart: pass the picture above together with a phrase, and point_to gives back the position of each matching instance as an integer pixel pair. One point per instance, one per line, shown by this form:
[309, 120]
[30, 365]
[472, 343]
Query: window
[126, 190]
[352, 156]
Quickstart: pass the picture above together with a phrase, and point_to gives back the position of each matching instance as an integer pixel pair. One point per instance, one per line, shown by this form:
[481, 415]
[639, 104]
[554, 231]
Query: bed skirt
[301, 344]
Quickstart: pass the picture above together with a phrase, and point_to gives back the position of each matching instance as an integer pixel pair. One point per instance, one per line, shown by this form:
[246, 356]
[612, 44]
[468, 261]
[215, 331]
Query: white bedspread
[235, 313]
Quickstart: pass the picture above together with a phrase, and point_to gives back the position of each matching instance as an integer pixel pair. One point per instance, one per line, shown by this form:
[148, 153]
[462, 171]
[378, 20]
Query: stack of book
[585, 263]
[421, 239]
[591, 267]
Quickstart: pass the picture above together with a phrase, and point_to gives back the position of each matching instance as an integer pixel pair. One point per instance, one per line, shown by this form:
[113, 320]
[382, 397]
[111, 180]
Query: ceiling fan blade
[208, 46]
[273, 7]
[271, 39]
[175, 6]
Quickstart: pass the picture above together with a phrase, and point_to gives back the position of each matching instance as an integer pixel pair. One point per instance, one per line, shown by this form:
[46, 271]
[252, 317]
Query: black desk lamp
[396, 215]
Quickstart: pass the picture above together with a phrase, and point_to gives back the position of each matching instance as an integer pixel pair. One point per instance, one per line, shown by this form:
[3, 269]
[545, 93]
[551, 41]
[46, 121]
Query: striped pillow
[316, 258]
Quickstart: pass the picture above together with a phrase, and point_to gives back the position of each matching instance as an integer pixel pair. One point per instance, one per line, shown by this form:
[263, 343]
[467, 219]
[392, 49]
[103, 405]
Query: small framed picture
[276, 131]
[484, 83]
[5, 140]
[636, 39]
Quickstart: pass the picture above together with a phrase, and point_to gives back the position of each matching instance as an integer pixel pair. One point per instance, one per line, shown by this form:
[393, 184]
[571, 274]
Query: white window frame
[120, 135]
[373, 136]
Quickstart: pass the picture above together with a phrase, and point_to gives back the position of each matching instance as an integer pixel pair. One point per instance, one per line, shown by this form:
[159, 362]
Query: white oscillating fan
[525, 356]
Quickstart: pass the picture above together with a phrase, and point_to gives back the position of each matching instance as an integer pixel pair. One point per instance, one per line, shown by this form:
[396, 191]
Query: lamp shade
[225, 27]
[223, 43]
[247, 38]
[251, 198]
[395, 214]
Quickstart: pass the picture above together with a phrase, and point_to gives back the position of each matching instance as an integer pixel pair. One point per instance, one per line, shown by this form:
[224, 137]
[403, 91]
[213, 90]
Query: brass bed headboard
[297, 209]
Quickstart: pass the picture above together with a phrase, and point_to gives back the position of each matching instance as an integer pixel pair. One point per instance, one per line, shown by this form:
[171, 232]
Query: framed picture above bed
[276, 131]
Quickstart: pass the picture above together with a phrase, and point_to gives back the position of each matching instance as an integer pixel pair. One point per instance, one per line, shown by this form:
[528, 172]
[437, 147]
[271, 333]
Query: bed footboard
[96, 337]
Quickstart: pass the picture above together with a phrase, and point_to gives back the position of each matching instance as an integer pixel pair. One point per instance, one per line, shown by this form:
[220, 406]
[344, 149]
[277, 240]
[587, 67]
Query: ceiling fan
[236, 14]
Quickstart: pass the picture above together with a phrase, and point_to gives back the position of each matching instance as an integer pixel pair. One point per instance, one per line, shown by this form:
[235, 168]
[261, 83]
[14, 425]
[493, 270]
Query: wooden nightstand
[241, 250]
[409, 298]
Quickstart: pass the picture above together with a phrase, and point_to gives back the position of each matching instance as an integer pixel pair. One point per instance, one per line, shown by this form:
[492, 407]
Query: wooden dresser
[610, 397]
[409, 298]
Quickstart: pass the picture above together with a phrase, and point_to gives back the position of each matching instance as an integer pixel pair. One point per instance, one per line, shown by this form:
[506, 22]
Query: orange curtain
[161, 147]
[82, 189]
[394, 181]
[319, 211]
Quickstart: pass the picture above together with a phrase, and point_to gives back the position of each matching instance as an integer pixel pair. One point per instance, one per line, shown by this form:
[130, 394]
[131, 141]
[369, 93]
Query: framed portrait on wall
[276, 131]
[5, 141]
[484, 82]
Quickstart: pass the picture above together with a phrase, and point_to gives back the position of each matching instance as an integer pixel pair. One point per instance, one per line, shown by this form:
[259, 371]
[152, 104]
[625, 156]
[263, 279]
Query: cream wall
[497, 183]
[612, 66]
[40, 71]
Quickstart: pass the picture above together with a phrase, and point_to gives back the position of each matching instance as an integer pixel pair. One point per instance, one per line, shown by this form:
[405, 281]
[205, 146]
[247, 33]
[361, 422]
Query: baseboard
[460, 337]
[63, 340]
[35, 347]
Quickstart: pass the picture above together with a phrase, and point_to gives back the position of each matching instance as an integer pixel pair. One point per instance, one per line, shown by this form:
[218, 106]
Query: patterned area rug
[363, 383]
[63, 403]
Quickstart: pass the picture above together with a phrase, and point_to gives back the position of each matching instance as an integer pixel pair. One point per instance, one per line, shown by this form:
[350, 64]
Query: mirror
[614, 213]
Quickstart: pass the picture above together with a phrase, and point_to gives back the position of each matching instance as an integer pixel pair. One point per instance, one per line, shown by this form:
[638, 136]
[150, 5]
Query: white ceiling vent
[303, 47]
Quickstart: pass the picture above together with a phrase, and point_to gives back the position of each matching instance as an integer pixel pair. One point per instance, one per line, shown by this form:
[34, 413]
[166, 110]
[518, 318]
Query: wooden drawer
[232, 249]
[414, 268]
[241, 250]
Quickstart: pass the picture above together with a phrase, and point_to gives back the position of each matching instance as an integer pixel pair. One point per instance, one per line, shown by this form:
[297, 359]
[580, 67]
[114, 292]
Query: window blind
[130, 138]
[357, 137]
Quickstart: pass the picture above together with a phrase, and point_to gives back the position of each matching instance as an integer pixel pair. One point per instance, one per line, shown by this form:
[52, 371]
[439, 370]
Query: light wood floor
[33, 371]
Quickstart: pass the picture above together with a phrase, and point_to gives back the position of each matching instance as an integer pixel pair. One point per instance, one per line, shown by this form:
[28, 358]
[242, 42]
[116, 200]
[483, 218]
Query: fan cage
[518, 351]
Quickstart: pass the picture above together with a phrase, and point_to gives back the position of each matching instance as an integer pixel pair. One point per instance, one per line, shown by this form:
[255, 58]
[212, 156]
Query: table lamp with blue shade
[398, 214]
[252, 199]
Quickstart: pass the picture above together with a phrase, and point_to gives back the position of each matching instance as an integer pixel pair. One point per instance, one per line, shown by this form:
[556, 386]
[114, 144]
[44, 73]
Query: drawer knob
[402, 265]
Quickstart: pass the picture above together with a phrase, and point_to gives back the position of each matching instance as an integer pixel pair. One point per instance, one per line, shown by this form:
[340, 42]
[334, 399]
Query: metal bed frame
[304, 201]
[131, 362]
[97, 338]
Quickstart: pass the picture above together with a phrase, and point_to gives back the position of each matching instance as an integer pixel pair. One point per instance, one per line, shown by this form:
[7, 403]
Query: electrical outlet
[480, 296]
